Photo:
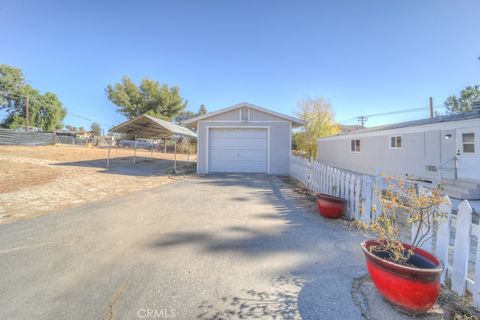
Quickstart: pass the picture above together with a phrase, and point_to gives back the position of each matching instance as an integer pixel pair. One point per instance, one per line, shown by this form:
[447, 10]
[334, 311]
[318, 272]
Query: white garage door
[237, 150]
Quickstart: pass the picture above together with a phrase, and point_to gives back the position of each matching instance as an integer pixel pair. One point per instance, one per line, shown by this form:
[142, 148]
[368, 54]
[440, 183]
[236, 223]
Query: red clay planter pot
[413, 290]
[331, 207]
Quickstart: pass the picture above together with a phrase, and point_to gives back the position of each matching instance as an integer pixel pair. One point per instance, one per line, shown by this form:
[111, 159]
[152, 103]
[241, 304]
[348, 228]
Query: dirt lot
[38, 180]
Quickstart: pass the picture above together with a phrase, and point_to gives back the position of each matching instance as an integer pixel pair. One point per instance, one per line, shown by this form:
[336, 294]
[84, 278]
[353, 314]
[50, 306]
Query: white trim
[237, 127]
[249, 121]
[360, 146]
[390, 141]
[450, 125]
[207, 140]
[248, 114]
[274, 121]
[207, 121]
[463, 143]
[198, 148]
[290, 147]
[248, 105]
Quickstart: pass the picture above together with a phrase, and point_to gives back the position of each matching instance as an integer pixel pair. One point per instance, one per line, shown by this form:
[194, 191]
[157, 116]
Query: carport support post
[165, 145]
[135, 151]
[151, 155]
[108, 155]
[175, 158]
[188, 150]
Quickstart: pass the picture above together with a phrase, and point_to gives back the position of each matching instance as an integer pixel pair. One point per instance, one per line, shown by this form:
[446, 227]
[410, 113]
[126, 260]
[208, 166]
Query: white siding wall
[419, 149]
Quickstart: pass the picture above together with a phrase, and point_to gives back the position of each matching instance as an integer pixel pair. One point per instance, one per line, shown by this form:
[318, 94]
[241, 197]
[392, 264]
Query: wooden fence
[454, 240]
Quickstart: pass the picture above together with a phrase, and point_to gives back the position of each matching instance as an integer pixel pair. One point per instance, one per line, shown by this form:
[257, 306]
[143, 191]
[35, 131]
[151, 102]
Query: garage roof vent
[245, 114]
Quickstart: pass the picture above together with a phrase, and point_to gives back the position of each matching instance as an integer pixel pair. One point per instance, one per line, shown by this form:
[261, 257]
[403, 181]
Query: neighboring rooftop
[344, 129]
[421, 122]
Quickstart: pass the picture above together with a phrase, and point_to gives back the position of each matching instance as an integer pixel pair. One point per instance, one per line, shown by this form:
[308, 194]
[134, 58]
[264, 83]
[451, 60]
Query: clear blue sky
[365, 56]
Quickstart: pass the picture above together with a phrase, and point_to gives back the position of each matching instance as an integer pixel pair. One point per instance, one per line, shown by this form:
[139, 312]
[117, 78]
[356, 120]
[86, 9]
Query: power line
[365, 117]
[92, 115]
[89, 120]
[362, 120]
[69, 113]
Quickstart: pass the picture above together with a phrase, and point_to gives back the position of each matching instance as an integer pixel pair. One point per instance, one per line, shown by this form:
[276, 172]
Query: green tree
[96, 129]
[296, 136]
[45, 111]
[11, 83]
[463, 103]
[202, 110]
[48, 112]
[184, 115]
[150, 97]
[320, 123]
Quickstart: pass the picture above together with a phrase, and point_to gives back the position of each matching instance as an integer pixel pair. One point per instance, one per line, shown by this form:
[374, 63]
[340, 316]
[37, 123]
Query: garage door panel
[237, 133]
[238, 143]
[237, 150]
[239, 155]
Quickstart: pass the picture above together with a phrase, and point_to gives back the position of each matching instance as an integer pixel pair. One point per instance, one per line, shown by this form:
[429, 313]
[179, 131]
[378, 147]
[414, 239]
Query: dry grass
[16, 176]
[38, 180]
[66, 153]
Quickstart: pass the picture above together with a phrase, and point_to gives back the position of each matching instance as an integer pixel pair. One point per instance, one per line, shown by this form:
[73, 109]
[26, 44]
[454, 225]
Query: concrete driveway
[235, 246]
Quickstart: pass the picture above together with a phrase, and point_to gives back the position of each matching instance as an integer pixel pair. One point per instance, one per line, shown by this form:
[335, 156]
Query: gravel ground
[39, 180]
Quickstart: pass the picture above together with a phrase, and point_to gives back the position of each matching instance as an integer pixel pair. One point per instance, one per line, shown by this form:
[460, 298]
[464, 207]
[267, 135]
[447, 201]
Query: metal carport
[149, 127]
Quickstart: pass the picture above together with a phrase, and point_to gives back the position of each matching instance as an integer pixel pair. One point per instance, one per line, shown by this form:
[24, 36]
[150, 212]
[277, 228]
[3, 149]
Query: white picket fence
[454, 240]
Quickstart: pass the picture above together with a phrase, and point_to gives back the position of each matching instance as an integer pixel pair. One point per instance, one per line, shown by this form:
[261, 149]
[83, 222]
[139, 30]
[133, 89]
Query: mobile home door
[468, 153]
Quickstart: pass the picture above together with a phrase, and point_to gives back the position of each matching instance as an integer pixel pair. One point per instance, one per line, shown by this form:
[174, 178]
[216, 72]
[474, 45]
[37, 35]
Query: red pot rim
[330, 198]
[406, 269]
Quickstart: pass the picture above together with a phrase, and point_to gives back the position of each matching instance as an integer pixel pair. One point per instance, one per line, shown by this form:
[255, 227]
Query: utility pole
[26, 113]
[362, 120]
[431, 107]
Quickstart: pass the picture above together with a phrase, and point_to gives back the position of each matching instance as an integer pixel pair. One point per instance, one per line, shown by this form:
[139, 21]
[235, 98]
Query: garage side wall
[279, 140]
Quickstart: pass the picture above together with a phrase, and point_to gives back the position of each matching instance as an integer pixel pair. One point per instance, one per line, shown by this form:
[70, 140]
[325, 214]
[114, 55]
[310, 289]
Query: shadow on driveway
[317, 288]
[280, 303]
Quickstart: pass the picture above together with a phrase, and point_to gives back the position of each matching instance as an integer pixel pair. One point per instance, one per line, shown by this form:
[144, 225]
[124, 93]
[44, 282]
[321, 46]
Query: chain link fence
[26, 138]
[40, 138]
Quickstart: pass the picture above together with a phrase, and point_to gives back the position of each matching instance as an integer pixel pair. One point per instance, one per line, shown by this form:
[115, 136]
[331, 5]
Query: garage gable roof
[151, 127]
[295, 121]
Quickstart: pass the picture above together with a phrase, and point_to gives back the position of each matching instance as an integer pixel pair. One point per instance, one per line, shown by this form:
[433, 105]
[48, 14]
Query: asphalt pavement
[216, 247]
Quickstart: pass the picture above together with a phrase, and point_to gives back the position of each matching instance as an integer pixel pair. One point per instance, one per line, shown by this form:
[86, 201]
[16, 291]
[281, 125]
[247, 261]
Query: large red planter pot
[410, 289]
[330, 206]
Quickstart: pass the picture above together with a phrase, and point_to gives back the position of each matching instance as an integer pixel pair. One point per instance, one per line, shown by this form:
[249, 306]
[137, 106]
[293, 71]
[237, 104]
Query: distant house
[444, 148]
[244, 138]
[83, 134]
[349, 128]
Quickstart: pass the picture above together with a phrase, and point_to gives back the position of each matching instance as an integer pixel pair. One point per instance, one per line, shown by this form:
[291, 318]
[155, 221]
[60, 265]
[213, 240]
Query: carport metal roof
[150, 127]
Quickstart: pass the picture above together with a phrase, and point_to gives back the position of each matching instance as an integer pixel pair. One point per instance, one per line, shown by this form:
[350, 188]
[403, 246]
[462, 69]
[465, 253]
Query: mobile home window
[355, 145]
[395, 142]
[468, 142]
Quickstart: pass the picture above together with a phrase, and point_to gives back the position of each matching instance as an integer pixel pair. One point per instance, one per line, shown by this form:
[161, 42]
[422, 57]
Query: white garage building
[244, 138]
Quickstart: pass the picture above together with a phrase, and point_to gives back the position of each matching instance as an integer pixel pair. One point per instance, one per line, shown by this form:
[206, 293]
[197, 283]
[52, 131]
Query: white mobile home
[244, 138]
[444, 148]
